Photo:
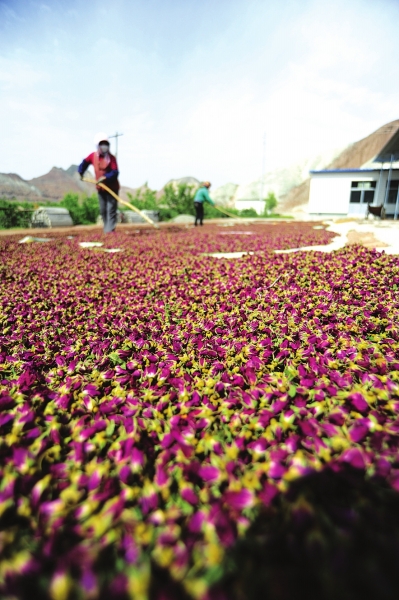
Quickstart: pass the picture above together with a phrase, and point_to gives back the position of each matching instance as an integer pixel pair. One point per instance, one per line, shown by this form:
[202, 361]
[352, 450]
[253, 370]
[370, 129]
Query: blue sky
[193, 85]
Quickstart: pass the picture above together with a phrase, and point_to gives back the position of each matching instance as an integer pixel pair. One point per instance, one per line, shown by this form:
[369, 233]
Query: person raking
[106, 170]
[201, 196]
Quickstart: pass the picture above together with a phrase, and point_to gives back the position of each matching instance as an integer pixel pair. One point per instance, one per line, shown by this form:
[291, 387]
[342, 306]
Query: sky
[205, 88]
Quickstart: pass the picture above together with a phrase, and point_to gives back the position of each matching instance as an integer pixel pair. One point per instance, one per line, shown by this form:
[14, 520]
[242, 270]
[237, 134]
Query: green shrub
[143, 200]
[84, 210]
[211, 212]
[14, 213]
[175, 200]
[180, 200]
[248, 212]
[270, 203]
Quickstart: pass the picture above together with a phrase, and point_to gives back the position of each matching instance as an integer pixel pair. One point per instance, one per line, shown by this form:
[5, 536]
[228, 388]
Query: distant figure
[106, 170]
[201, 196]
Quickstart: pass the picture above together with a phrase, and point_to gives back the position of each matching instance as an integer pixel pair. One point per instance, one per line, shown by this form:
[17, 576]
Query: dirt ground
[48, 231]
[366, 239]
[370, 234]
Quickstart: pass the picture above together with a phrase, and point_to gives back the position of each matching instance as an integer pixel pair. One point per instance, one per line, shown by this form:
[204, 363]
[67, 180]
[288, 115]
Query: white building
[341, 192]
[243, 203]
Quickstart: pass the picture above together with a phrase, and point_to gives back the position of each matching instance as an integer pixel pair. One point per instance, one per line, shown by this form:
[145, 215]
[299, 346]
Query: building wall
[330, 192]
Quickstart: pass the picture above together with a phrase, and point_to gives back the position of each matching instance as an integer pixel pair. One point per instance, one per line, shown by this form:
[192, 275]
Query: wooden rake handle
[139, 212]
[225, 212]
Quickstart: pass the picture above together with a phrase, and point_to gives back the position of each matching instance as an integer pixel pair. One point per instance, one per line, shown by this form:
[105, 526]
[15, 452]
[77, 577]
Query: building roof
[53, 210]
[390, 148]
[389, 152]
[376, 169]
[344, 171]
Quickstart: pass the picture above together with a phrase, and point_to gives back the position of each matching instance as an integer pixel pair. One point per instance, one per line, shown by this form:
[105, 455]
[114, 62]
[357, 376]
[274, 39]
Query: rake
[144, 216]
[225, 212]
[139, 212]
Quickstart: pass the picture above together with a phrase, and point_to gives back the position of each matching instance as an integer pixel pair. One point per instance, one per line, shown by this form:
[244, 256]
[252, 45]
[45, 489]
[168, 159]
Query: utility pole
[116, 142]
[263, 169]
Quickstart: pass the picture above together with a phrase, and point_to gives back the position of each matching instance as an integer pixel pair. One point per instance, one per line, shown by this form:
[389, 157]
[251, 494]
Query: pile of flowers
[153, 400]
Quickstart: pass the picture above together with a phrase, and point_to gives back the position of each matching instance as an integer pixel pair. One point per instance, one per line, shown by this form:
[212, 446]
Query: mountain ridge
[50, 187]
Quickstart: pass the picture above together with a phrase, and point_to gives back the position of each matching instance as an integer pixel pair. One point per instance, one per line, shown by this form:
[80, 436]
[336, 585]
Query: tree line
[84, 210]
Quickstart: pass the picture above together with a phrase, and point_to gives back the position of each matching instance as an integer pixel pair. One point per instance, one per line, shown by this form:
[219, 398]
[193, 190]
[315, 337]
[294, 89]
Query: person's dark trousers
[199, 212]
[108, 206]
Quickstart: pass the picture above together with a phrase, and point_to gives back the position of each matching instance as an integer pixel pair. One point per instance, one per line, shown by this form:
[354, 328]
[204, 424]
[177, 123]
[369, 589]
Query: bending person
[106, 170]
[201, 196]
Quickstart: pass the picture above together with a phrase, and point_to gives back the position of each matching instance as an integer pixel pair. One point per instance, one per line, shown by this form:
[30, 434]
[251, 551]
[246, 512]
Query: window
[362, 192]
[356, 196]
[364, 185]
[368, 196]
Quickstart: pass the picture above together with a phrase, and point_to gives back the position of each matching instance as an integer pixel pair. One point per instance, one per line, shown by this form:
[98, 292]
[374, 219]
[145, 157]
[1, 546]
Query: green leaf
[115, 358]
[110, 429]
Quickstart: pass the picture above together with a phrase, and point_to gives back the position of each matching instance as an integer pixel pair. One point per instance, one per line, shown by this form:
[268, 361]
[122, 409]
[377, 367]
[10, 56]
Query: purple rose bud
[358, 402]
[239, 500]
[189, 496]
[208, 473]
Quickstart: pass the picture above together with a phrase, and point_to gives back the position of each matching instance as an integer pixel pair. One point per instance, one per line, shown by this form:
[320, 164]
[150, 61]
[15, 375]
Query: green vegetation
[212, 213]
[144, 199]
[84, 210]
[14, 214]
[248, 212]
[270, 204]
[176, 200]
[179, 199]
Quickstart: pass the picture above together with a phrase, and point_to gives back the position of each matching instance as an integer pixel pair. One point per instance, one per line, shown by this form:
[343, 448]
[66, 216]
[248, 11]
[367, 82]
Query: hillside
[13, 186]
[49, 187]
[58, 182]
[353, 157]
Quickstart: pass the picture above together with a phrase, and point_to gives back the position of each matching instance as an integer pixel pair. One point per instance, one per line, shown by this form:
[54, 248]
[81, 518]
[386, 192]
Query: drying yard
[158, 398]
